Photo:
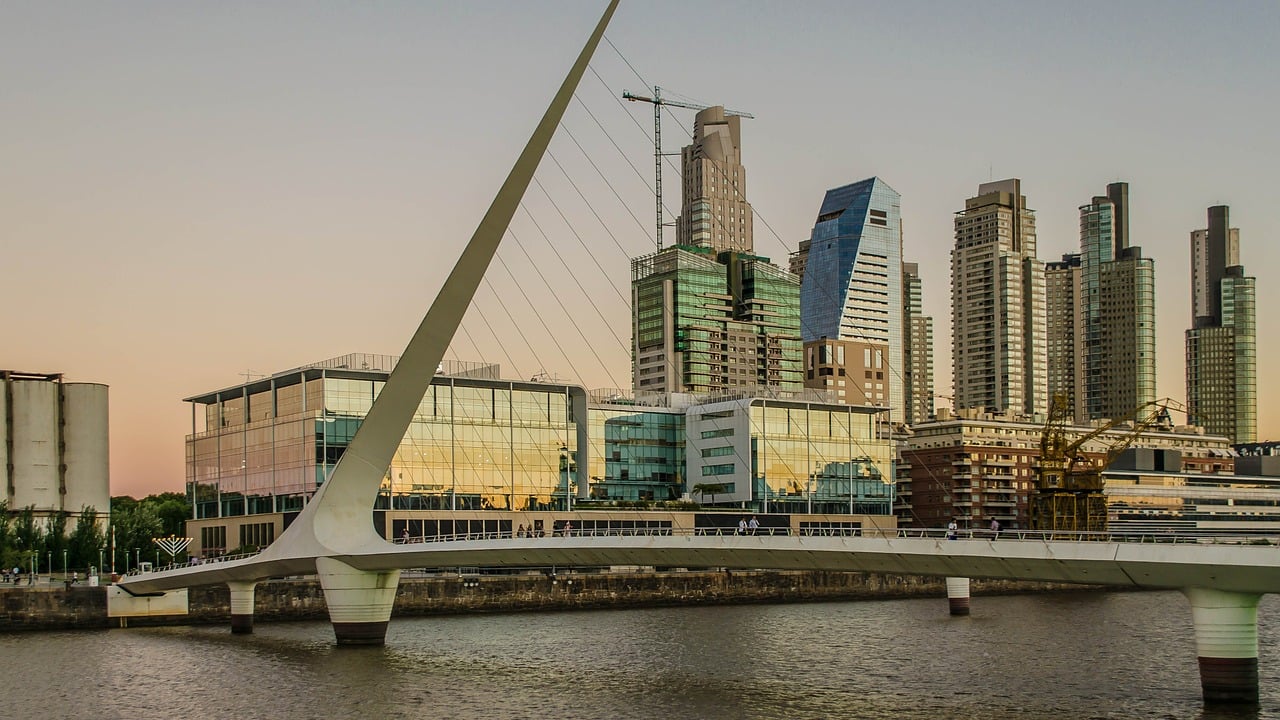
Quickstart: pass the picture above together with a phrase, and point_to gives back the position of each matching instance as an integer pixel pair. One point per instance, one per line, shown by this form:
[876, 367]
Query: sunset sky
[194, 191]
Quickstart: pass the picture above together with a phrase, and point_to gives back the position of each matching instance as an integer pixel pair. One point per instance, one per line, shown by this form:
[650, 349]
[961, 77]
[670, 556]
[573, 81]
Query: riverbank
[24, 608]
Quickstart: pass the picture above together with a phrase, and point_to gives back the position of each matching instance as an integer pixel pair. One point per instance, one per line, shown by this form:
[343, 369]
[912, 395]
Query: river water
[1074, 655]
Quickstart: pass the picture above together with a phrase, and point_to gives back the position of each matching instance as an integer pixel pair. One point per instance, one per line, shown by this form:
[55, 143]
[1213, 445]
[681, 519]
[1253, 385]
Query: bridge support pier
[1226, 625]
[359, 601]
[241, 606]
[958, 595]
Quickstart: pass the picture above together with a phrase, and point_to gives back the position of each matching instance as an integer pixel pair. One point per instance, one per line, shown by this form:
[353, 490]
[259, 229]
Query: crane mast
[658, 101]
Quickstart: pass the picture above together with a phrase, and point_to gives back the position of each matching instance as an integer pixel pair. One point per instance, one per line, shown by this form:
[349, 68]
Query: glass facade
[473, 444]
[778, 456]
[819, 459]
[703, 322]
[1192, 503]
[852, 282]
[479, 445]
[636, 454]
[1116, 302]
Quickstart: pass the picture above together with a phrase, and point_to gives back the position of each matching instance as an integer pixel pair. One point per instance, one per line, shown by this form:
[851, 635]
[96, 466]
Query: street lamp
[64, 563]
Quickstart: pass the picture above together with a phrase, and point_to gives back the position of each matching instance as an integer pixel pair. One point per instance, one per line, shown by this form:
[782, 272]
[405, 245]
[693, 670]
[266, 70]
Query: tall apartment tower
[1064, 331]
[1222, 372]
[917, 347]
[1116, 305]
[998, 304]
[707, 314]
[851, 294]
[714, 212]
[705, 321]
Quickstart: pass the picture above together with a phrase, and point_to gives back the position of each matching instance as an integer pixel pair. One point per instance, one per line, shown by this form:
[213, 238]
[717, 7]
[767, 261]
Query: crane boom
[658, 101]
[1068, 493]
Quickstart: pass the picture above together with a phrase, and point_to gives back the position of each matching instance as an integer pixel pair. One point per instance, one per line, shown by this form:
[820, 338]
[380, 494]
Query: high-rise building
[917, 347]
[851, 289]
[704, 322]
[707, 314]
[1222, 374]
[1063, 316]
[998, 304]
[1116, 307]
[714, 212]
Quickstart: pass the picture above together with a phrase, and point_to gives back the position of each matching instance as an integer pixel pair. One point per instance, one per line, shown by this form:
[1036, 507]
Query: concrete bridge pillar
[958, 595]
[241, 606]
[359, 601]
[1226, 625]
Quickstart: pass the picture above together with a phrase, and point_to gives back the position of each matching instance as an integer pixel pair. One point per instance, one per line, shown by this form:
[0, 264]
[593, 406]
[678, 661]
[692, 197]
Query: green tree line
[26, 542]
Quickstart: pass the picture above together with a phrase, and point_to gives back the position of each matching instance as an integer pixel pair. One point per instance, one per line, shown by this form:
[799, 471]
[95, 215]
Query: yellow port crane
[1068, 491]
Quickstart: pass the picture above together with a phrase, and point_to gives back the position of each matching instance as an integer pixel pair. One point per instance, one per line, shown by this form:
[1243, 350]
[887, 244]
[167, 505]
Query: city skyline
[197, 192]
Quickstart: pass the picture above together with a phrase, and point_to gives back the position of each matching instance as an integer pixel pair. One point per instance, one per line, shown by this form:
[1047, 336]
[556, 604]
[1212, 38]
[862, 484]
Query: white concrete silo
[34, 432]
[85, 449]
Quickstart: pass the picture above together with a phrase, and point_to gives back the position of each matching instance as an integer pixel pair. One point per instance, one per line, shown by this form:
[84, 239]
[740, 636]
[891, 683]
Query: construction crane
[658, 101]
[1068, 492]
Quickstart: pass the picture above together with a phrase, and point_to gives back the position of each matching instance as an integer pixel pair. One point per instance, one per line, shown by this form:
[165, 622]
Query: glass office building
[789, 456]
[637, 453]
[483, 454]
[475, 443]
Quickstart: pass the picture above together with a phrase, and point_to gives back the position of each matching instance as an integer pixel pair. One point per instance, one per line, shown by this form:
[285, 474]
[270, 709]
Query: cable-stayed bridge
[359, 571]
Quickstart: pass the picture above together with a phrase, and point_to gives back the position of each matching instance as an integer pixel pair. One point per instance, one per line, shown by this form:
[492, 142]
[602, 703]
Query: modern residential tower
[917, 347]
[998, 304]
[1222, 379]
[707, 314]
[1064, 331]
[714, 212]
[1116, 309]
[851, 293]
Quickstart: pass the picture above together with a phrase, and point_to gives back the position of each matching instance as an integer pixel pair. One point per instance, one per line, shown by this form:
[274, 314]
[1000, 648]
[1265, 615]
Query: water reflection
[1082, 655]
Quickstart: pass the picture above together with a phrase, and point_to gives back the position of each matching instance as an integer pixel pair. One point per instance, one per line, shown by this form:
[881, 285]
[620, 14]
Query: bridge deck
[1145, 561]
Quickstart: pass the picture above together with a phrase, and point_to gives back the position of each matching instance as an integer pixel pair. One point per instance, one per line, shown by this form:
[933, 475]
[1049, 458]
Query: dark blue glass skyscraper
[851, 268]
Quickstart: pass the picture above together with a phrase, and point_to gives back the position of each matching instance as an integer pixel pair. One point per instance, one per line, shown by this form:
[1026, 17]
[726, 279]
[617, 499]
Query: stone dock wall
[81, 607]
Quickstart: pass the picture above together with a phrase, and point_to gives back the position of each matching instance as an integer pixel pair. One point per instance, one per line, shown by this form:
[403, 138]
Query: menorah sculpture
[172, 545]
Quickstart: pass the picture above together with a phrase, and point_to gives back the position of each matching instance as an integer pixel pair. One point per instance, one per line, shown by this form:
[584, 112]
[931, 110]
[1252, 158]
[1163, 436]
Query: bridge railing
[197, 561]
[962, 535]
[936, 533]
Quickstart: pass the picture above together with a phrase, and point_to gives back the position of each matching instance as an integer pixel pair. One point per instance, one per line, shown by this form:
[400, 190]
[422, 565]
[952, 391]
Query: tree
[8, 539]
[55, 539]
[135, 524]
[87, 540]
[173, 510]
[28, 536]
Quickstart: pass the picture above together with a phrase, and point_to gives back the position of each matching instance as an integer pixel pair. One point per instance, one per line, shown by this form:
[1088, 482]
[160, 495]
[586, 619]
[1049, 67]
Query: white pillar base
[241, 607]
[958, 595]
[359, 601]
[1226, 625]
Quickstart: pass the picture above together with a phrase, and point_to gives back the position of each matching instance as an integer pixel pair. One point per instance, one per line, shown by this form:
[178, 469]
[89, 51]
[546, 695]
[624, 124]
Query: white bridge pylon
[335, 524]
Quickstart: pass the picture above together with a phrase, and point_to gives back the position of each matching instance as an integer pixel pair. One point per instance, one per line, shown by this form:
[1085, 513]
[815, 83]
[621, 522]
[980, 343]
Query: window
[717, 451]
[723, 432]
[711, 470]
